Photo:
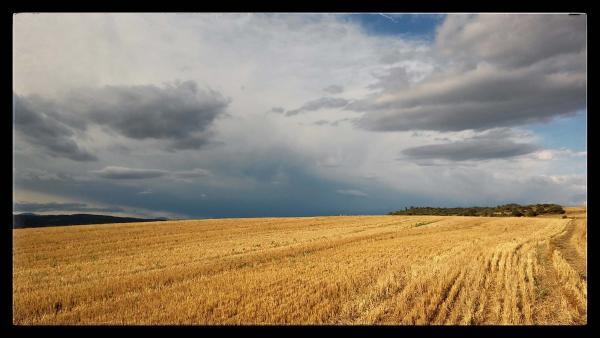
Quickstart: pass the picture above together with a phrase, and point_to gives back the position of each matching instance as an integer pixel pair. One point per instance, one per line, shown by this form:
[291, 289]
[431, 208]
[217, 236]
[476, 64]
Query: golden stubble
[309, 270]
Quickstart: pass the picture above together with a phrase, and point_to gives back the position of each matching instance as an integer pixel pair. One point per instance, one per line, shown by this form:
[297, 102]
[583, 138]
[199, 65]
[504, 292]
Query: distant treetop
[505, 210]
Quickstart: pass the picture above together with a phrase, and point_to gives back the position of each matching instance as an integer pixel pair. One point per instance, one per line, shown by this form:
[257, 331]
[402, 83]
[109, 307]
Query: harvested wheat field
[310, 270]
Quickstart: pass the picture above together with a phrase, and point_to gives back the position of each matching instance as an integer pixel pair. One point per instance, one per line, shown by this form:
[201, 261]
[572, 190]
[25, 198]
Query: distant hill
[29, 220]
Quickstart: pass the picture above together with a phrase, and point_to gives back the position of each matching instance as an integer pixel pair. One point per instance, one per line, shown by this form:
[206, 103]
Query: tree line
[505, 210]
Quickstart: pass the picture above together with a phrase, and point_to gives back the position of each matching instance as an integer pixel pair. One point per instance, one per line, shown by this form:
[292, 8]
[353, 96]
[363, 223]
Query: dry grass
[339, 270]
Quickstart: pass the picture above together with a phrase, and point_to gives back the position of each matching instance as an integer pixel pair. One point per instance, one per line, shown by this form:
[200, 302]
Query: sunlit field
[309, 270]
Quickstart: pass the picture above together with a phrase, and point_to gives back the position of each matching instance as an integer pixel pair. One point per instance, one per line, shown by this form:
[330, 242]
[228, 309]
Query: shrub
[530, 213]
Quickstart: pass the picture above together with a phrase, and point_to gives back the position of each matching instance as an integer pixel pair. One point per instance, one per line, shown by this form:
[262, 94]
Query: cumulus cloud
[53, 206]
[179, 113]
[503, 79]
[36, 121]
[321, 103]
[544, 155]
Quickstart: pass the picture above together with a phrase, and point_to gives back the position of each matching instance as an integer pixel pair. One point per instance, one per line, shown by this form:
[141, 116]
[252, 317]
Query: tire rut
[563, 244]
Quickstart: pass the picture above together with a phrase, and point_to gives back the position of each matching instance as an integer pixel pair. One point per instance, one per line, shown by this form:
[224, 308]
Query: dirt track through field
[564, 243]
[314, 270]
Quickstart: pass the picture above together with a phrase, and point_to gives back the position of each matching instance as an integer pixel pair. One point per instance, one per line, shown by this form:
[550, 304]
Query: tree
[530, 213]
[516, 213]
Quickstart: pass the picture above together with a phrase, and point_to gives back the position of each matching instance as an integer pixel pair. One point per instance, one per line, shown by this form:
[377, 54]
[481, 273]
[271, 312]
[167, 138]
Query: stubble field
[310, 270]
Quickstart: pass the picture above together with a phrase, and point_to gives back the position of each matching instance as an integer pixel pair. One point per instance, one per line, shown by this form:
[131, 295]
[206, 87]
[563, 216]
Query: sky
[184, 115]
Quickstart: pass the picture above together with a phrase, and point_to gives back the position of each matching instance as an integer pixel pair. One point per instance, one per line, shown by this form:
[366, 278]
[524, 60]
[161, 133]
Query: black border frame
[262, 6]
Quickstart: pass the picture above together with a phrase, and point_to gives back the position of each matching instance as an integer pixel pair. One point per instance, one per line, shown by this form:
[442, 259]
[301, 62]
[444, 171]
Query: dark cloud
[511, 40]
[512, 73]
[36, 121]
[44, 207]
[301, 193]
[278, 110]
[334, 89]
[179, 113]
[482, 147]
[321, 103]
[479, 99]
[122, 173]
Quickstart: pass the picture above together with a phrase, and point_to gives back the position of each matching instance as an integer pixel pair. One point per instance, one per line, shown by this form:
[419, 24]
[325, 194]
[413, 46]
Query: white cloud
[544, 155]
[551, 154]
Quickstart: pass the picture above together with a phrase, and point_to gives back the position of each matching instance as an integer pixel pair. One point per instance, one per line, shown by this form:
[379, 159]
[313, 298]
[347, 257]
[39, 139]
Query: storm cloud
[37, 122]
[178, 113]
[488, 77]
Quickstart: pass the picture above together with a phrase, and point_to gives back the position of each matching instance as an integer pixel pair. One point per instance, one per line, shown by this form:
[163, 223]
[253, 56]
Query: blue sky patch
[407, 25]
[566, 132]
